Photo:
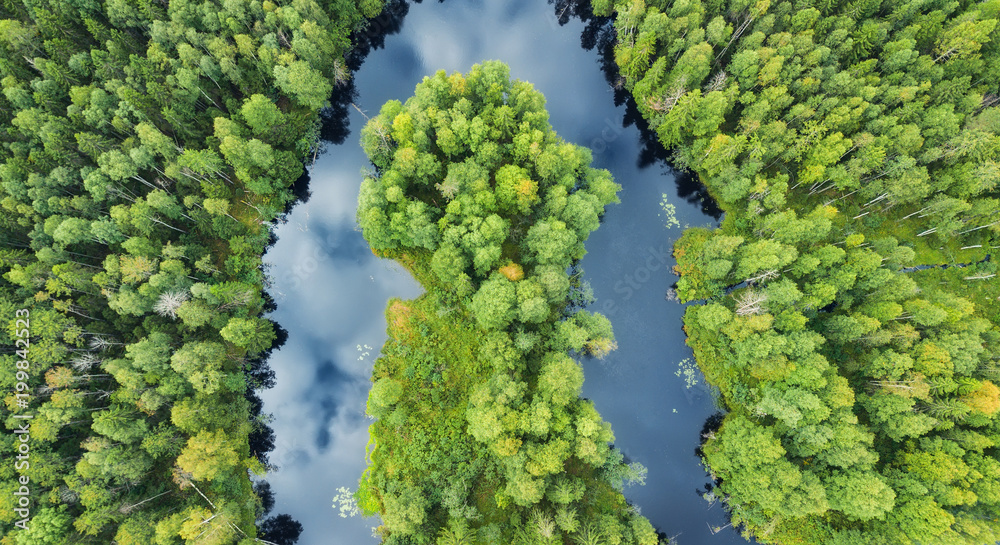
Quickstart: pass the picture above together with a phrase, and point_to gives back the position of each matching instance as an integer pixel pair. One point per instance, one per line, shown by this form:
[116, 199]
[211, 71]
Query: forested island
[481, 434]
[850, 297]
[847, 310]
[146, 148]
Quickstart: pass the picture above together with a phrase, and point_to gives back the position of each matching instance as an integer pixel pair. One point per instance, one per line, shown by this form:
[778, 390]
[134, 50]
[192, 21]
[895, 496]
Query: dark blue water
[331, 291]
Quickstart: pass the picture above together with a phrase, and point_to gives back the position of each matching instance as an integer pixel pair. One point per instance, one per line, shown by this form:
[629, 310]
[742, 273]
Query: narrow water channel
[331, 291]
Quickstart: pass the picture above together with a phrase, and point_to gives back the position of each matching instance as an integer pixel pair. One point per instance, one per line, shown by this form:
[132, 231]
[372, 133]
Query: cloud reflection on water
[331, 291]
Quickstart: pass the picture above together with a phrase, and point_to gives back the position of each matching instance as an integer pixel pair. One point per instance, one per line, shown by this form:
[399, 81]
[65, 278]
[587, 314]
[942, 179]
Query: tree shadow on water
[599, 35]
[334, 129]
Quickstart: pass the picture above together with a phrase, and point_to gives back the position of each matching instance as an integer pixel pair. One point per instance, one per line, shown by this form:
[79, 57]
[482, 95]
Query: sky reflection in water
[331, 291]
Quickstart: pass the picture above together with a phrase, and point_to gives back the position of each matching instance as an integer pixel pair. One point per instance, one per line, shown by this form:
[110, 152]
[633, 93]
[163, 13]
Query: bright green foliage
[207, 455]
[560, 380]
[481, 433]
[846, 142]
[254, 334]
[201, 363]
[147, 146]
[303, 83]
[493, 305]
[48, 527]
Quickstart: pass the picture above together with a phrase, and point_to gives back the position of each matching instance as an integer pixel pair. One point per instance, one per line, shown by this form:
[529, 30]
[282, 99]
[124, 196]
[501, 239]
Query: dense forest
[847, 309]
[850, 316]
[481, 436]
[146, 148]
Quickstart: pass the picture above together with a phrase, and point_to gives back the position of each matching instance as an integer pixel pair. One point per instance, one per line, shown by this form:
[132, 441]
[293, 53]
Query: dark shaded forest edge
[147, 147]
[849, 143]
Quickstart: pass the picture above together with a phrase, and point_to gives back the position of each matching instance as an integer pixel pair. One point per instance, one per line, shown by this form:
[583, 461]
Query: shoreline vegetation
[846, 142]
[146, 149]
[480, 434]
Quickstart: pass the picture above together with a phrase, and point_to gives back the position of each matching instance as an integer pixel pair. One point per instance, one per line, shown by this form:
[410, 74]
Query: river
[331, 291]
